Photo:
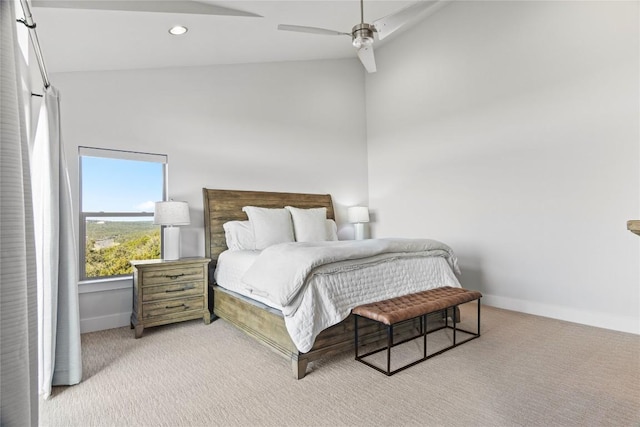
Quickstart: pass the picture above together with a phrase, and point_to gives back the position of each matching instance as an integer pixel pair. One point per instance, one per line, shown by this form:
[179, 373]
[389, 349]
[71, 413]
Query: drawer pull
[185, 288]
[177, 306]
[174, 276]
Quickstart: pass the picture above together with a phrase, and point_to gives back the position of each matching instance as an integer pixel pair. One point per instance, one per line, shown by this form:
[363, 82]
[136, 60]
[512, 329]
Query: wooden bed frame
[258, 320]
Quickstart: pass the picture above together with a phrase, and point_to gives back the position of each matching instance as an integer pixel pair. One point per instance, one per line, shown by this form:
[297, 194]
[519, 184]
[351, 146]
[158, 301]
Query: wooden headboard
[221, 206]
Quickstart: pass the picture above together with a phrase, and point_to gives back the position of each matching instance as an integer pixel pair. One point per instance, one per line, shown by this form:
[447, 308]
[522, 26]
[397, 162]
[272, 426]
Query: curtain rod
[28, 22]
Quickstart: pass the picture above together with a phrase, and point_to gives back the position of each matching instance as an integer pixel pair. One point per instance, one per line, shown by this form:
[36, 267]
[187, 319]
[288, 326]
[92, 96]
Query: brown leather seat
[409, 306]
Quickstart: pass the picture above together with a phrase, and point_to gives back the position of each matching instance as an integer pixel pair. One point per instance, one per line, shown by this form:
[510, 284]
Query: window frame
[82, 215]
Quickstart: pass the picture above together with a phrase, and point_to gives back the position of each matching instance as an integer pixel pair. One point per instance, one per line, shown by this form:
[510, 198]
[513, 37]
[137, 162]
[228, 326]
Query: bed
[264, 316]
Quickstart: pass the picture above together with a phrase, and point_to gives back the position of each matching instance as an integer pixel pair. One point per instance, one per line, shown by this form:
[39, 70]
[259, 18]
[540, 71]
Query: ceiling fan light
[362, 35]
[178, 30]
[360, 41]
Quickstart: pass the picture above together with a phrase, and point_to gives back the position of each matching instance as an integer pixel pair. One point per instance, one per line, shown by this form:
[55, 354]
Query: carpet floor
[523, 371]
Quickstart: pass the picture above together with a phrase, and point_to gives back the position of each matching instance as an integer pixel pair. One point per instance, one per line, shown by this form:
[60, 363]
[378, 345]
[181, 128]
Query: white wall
[296, 127]
[510, 130]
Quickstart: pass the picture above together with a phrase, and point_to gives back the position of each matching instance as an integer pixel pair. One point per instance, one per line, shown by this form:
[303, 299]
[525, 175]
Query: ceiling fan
[165, 6]
[362, 34]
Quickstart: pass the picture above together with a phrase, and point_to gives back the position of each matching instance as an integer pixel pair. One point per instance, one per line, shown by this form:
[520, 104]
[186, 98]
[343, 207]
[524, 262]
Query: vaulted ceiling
[83, 40]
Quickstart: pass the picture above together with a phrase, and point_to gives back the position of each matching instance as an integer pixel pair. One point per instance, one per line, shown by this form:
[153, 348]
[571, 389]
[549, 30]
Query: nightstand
[169, 291]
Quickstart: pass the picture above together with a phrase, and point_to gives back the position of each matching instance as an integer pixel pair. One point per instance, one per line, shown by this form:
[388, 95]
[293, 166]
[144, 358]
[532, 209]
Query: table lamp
[358, 215]
[170, 214]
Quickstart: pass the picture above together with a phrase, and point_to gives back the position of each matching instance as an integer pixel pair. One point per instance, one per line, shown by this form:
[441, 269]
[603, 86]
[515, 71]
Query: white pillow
[309, 225]
[270, 226]
[332, 230]
[239, 235]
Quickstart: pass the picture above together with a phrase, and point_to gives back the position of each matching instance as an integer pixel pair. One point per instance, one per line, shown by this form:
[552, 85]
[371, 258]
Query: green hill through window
[110, 245]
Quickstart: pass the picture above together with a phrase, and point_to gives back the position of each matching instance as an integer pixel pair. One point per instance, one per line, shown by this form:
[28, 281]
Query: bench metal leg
[478, 317]
[389, 345]
[355, 321]
[423, 331]
[454, 325]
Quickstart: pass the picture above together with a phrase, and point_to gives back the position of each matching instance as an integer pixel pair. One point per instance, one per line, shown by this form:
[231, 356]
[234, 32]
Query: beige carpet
[523, 371]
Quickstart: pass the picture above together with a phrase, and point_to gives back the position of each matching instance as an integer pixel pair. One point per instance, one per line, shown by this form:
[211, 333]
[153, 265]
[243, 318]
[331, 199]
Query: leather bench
[393, 311]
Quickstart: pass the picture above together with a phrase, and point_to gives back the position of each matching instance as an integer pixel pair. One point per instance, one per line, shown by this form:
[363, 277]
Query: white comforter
[318, 284]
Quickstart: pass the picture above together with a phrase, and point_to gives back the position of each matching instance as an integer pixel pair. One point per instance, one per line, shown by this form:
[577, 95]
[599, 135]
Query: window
[118, 190]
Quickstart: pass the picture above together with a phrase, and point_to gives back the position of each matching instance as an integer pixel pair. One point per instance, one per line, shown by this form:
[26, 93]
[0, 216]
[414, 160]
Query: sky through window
[117, 185]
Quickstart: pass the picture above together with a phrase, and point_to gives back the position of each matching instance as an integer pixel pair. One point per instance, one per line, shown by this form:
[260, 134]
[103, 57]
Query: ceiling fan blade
[165, 6]
[390, 23]
[312, 30]
[365, 53]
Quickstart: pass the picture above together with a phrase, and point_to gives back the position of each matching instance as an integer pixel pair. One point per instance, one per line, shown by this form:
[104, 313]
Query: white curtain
[18, 322]
[59, 355]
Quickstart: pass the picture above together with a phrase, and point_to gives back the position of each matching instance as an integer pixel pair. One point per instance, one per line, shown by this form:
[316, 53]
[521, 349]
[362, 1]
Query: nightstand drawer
[171, 307]
[169, 275]
[174, 290]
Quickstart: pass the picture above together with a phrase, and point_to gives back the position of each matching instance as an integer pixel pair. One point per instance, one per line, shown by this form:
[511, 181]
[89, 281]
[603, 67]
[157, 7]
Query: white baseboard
[116, 320]
[597, 319]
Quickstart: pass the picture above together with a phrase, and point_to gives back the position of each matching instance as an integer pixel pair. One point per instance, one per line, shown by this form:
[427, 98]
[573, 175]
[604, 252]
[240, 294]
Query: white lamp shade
[171, 213]
[358, 214]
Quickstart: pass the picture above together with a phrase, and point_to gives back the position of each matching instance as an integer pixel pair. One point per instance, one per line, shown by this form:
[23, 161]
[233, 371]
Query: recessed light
[178, 30]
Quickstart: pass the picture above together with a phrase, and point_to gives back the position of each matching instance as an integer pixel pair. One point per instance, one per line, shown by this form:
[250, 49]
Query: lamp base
[171, 248]
[358, 231]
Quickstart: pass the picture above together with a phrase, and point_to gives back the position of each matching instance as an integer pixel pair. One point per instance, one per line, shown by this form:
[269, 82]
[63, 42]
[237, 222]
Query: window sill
[103, 285]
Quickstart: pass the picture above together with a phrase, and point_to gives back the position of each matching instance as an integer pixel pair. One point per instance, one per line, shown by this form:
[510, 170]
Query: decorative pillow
[239, 235]
[332, 230]
[309, 225]
[270, 226]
